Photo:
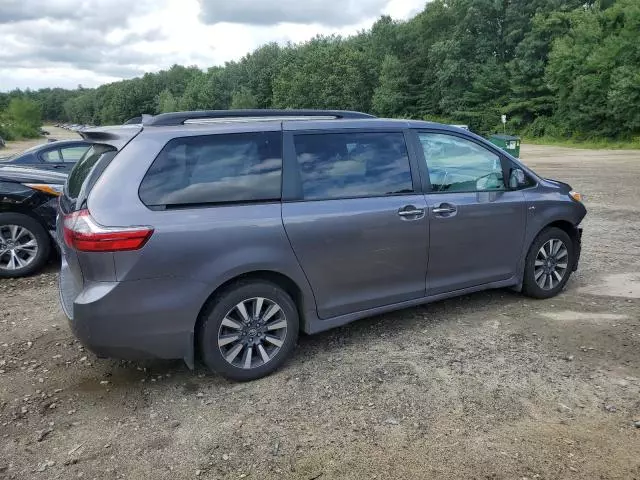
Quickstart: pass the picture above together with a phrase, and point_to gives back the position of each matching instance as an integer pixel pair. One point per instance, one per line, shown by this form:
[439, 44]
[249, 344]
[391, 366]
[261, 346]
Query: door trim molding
[316, 325]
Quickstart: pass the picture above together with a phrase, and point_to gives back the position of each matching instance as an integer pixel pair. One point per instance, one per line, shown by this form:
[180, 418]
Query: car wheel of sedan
[248, 331]
[24, 245]
[549, 263]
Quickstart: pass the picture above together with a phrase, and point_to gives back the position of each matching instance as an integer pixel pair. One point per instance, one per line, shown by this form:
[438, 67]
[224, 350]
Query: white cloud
[51, 77]
[323, 12]
[49, 43]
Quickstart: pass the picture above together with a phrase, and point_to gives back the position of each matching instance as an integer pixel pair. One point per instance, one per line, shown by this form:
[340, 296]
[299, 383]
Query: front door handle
[444, 209]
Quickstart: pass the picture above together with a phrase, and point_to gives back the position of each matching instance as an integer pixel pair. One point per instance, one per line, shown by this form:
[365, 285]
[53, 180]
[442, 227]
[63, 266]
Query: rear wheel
[24, 245]
[549, 263]
[248, 331]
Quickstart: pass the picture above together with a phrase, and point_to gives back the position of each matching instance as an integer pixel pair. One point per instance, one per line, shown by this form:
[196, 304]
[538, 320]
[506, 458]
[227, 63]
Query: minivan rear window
[84, 167]
[213, 169]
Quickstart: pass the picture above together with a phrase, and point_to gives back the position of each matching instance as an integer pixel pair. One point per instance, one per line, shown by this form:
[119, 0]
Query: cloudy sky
[48, 43]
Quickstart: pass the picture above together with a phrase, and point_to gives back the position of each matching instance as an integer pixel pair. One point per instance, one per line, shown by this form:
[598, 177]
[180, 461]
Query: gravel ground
[55, 133]
[487, 386]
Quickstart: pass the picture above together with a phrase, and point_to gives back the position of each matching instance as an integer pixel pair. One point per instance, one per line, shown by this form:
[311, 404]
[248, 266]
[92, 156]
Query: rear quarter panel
[206, 245]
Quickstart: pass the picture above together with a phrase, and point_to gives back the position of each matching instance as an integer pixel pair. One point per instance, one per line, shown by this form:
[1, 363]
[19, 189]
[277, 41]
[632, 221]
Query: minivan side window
[348, 165]
[212, 169]
[459, 165]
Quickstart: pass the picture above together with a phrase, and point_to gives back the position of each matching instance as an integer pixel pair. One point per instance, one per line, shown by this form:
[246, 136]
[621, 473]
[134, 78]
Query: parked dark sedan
[28, 208]
[61, 155]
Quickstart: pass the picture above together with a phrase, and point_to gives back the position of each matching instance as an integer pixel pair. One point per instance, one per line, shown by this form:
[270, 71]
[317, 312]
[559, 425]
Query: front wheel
[549, 263]
[24, 245]
[248, 331]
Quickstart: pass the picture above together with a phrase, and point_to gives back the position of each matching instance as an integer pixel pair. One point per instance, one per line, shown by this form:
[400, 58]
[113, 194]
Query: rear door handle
[410, 211]
[444, 209]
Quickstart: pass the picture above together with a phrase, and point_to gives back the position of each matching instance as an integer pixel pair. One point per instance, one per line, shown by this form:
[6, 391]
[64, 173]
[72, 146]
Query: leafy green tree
[555, 67]
[531, 96]
[167, 102]
[25, 112]
[243, 98]
[593, 71]
[326, 72]
[193, 97]
[623, 97]
[391, 97]
[260, 69]
[21, 119]
[4, 101]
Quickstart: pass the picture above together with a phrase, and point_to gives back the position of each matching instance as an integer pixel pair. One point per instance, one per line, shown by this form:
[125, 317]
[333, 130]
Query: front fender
[545, 209]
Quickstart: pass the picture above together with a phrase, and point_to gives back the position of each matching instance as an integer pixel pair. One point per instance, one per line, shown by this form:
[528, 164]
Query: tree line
[558, 68]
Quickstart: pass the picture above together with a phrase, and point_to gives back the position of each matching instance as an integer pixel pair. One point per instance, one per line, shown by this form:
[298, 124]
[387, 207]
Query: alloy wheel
[18, 247]
[252, 333]
[551, 264]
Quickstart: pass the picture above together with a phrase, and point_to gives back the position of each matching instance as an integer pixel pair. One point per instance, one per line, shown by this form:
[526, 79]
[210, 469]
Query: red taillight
[83, 233]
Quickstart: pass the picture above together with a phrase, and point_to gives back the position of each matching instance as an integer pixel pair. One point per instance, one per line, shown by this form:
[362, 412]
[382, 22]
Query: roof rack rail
[138, 120]
[179, 118]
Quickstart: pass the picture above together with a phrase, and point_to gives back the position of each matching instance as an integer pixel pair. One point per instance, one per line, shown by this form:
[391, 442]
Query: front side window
[459, 165]
[347, 165]
[241, 167]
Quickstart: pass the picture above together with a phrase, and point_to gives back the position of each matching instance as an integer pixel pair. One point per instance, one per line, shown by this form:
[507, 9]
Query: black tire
[530, 286]
[42, 239]
[220, 306]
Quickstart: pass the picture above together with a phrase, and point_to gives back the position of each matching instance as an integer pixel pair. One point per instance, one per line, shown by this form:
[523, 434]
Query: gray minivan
[222, 234]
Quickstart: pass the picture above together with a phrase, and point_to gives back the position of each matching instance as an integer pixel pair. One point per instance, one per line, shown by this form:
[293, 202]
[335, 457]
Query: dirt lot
[489, 386]
[55, 133]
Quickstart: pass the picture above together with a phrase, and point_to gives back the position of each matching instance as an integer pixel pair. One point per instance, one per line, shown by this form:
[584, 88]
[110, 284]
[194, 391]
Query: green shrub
[5, 131]
[22, 119]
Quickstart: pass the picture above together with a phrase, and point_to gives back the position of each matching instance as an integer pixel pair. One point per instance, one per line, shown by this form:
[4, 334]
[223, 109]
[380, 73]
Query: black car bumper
[47, 212]
[578, 248]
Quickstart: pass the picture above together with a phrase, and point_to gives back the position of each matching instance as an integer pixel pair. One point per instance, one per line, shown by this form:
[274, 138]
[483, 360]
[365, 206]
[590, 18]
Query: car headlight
[50, 188]
[576, 196]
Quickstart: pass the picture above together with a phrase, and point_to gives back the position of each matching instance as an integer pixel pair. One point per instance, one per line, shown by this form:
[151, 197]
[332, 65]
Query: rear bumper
[135, 320]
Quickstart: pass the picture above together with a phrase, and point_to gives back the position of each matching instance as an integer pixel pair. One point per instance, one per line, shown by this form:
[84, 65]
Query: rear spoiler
[117, 136]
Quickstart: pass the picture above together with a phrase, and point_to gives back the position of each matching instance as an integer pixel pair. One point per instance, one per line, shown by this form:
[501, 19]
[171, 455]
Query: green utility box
[508, 143]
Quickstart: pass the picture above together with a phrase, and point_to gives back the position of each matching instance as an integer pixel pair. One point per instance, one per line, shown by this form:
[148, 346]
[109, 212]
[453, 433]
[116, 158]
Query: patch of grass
[591, 144]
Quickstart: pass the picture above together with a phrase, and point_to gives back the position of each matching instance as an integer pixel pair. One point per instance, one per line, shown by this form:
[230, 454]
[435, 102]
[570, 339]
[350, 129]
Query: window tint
[24, 152]
[72, 154]
[52, 156]
[342, 165]
[459, 165]
[241, 167]
[84, 167]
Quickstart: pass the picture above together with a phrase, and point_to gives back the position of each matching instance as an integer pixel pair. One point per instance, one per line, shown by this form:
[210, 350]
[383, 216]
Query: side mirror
[517, 178]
